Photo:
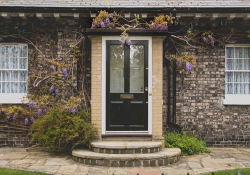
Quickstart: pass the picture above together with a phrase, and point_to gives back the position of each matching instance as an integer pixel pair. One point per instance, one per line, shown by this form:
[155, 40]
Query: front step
[126, 147]
[162, 158]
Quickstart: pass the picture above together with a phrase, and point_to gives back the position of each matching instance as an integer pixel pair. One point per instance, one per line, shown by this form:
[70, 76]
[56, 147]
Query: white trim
[104, 39]
[237, 99]
[9, 98]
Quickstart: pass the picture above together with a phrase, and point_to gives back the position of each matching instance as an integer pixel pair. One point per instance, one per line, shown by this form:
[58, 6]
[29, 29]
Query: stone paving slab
[39, 161]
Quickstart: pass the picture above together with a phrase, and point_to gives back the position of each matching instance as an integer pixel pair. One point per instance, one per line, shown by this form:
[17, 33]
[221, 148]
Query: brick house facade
[200, 95]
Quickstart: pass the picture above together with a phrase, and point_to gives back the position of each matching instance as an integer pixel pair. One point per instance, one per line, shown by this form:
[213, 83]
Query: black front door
[127, 86]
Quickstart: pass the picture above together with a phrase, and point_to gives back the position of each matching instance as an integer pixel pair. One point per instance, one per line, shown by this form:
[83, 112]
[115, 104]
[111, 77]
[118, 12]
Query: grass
[245, 171]
[5, 171]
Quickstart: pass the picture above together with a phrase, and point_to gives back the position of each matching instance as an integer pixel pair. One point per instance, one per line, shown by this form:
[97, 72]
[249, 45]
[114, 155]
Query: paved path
[219, 159]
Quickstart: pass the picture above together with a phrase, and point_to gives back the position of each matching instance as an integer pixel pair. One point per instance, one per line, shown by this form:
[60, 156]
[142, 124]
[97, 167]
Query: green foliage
[61, 130]
[188, 143]
[17, 172]
[244, 171]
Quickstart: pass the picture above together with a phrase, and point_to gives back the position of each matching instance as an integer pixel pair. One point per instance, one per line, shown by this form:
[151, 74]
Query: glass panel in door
[116, 69]
[136, 69]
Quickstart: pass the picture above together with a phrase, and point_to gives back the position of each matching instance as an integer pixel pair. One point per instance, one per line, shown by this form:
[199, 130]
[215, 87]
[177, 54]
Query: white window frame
[236, 99]
[13, 98]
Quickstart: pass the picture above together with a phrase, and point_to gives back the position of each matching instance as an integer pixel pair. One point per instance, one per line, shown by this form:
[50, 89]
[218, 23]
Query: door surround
[104, 39]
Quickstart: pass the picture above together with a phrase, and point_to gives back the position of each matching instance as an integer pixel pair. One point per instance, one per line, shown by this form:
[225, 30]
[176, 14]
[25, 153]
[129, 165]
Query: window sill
[12, 98]
[241, 99]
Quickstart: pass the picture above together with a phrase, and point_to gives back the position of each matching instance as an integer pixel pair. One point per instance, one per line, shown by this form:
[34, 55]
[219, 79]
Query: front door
[127, 86]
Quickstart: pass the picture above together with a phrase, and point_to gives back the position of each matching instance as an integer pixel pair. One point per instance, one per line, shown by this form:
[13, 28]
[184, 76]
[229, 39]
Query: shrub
[62, 130]
[188, 143]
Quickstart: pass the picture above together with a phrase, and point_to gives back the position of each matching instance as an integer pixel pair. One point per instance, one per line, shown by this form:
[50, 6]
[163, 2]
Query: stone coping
[126, 145]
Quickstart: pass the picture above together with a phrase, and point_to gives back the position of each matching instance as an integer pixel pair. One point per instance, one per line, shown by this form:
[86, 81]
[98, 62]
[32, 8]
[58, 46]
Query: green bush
[60, 130]
[188, 143]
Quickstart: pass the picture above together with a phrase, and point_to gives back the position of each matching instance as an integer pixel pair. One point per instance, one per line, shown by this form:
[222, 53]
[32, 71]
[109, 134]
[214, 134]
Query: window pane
[246, 64]
[246, 88]
[229, 88]
[23, 63]
[246, 52]
[246, 77]
[14, 87]
[23, 88]
[238, 77]
[230, 64]
[14, 76]
[229, 76]
[238, 52]
[23, 76]
[136, 68]
[13, 63]
[13, 51]
[5, 51]
[6, 87]
[116, 69]
[238, 64]
[238, 88]
[5, 63]
[229, 52]
[23, 51]
[6, 75]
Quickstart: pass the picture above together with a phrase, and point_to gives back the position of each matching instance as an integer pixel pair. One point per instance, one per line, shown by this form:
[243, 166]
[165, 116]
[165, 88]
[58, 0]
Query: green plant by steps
[61, 130]
[188, 143]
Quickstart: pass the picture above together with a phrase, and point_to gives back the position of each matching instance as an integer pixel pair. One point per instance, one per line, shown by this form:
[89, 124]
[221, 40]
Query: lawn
[245, 171]
[17, 172]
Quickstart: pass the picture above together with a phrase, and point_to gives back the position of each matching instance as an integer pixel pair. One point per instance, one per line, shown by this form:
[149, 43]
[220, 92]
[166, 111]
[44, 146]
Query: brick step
[126, 147]
[162, 158]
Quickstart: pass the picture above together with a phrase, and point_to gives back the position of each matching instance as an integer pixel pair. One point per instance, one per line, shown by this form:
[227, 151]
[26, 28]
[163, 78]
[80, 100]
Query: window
[13, 72]
[237, 75]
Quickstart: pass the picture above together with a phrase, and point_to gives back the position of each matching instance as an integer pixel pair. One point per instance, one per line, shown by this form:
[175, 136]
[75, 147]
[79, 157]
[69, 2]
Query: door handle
[150, 94]
[146, 88]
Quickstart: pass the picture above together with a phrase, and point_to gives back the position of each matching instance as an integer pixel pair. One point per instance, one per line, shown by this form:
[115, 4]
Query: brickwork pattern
[157, 85]
[200, 108]
[96, 82]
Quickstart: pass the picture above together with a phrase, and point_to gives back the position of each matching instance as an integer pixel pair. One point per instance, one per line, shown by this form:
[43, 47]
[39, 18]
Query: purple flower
[56, 91]
[210, 37]
[40, 111]
[212, 43]
[32, 119]
[107, 20]
[158, 26]
[52, 88]
[72, 110]
[32, 105]
[64, 72]
[180, 64]
[26, 121]
[128, 42]
[123, 42]
[53, 68]
[204, 39]
[102, 24]
[92, 26]
[189, 67]
[14, 117]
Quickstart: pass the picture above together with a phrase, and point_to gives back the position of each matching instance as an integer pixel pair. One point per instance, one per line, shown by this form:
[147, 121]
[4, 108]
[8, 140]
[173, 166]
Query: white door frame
[104, 39]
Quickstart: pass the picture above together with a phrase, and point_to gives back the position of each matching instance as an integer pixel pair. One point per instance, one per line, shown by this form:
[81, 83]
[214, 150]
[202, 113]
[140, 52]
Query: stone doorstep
[165, 157]
[126, 147]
